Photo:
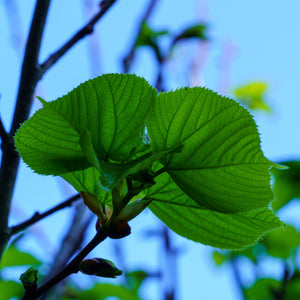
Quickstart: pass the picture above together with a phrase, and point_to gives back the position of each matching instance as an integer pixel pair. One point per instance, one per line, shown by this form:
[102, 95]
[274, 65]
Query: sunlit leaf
[112, 108]
[253, 95]
[221, 166]
[149, 37]
[222, 230]
[88, 180]
[195, 31]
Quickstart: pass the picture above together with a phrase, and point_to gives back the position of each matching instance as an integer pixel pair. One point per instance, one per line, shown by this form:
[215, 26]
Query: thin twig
[127, 61]
[87, 29]
[37, 216]
[71, 267]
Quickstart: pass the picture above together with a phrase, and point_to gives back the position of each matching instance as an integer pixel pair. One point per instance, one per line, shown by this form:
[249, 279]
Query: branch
[28, 81]
[37, 216]
[31, 73]
[130, 56]
[71, 267]
[86, 30]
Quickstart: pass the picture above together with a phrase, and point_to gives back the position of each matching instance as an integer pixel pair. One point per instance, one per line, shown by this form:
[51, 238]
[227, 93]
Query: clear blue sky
[264, 41]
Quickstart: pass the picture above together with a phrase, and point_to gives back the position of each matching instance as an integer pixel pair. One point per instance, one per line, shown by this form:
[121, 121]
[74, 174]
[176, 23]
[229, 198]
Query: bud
[99, 267]
[29, 278]
[118, 229]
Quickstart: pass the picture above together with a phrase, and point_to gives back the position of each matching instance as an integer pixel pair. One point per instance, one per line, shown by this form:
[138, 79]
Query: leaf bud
[118, 229]
[99, 267]
[29, 278]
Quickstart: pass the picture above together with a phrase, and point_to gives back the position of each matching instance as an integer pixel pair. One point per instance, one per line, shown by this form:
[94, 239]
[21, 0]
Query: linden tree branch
[39, 216]
[85, 30]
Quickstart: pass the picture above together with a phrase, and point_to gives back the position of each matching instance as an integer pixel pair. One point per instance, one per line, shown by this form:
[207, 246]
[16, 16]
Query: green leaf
[253, 95]
[263, 289]
[10, 289]
[221, 166]
[219, 258]
[104, 290]
[136, 278]
[113, 173]
[223, 230]
[49, 144]
[15, 257]
[195, 31]
[112, 108]
[281, 242]
[149, 37]
[287, 184]
[88, 180]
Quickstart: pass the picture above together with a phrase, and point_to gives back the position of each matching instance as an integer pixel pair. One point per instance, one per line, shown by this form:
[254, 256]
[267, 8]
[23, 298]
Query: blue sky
[263, 36]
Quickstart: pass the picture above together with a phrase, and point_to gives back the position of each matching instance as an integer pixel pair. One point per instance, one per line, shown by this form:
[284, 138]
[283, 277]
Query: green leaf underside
[222, 230]
[88, 180]
[221, 166]
[113, 173]
[111, 107]
[49, 145]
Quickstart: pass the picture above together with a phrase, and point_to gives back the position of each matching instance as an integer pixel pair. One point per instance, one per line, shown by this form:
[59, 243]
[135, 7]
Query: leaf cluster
[192, 155]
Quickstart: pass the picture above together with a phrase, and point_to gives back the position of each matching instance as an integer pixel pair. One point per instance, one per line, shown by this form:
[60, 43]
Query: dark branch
[87, 29]
[71, 267]
[28, 81]
[37, 216]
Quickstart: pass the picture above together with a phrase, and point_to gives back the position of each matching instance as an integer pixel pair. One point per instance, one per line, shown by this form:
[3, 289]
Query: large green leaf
[111, 108]
[49, 144]
[222, 230]
[88, 180]
[221, 166]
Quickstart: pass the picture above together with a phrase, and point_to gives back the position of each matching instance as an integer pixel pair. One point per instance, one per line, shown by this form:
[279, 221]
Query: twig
[71, 267]
[37, 216]
[28, 81]
[87, 29]
[130, 56]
